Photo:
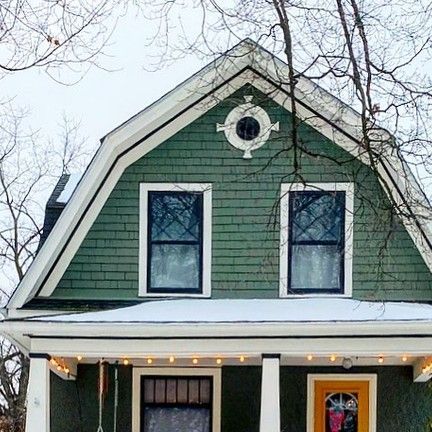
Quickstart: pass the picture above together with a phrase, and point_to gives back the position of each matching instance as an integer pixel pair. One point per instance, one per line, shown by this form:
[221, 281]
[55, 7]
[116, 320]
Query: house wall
[75, 404]
[402, 405]
[245, 249]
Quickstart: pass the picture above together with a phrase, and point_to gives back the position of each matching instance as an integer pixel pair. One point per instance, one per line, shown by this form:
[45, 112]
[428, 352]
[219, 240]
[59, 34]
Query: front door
[341, 406]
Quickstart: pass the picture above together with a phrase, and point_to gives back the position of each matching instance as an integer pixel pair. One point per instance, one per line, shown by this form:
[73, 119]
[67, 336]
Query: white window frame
[286, 189]
[187, 372]
[313, 378]
[206, 189]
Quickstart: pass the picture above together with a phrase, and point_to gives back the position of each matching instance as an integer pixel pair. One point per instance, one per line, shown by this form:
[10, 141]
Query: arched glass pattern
[342, 412]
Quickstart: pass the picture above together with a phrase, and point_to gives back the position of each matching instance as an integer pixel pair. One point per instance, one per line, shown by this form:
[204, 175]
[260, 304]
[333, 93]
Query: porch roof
[296, 310]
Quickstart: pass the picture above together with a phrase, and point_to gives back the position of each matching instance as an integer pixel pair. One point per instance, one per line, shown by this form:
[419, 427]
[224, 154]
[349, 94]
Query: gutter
[222, 330]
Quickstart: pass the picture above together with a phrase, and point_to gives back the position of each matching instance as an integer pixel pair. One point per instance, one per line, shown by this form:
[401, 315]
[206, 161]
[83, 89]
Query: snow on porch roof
[253, 311]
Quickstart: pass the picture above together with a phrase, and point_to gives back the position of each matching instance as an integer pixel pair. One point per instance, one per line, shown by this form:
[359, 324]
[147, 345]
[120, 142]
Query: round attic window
[248, 128]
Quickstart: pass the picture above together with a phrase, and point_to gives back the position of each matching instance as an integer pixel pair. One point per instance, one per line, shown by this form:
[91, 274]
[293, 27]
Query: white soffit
[245, 63]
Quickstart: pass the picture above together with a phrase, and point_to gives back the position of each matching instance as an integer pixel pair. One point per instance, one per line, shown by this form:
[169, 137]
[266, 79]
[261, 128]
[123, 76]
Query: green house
[207, 275]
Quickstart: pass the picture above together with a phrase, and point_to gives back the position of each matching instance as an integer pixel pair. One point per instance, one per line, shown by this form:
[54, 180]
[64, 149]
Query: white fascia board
[214, 329]
[213, 78]
[297, 347]
[68, 219]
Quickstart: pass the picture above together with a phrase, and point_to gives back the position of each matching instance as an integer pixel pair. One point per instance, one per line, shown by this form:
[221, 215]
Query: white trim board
[313, 378]
[215, 347]
[206, 189]
[215, 373]
[183, 105]
[286, 189]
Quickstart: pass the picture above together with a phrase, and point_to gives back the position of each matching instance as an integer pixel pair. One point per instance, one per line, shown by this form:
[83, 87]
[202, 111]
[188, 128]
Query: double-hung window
[316, 237]
[175, 231]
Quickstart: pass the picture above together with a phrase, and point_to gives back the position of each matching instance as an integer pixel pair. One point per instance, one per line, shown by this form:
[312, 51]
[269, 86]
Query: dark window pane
[248, 128]
[177, 419]
[316, 240]
[318, 216]
[175, 240]
[175, 216]
[175, 266]
[315, 267]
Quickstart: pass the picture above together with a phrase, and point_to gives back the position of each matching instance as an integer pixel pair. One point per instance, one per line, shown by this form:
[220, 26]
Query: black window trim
[200, 242]
[331, 291]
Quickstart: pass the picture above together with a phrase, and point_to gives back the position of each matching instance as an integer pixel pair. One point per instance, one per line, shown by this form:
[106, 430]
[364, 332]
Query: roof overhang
[300, 339]
[246, 63]
[208, 324]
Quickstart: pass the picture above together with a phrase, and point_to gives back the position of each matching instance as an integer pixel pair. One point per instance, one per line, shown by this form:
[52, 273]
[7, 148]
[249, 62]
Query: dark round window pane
[248, 128]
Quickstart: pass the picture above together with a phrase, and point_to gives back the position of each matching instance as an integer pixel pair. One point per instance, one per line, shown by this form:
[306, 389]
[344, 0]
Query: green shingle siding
[245, 248]
[402, 405]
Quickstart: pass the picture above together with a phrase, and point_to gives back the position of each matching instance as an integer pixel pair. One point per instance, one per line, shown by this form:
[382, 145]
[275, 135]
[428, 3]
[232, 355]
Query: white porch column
[270, 395]
[38, 396]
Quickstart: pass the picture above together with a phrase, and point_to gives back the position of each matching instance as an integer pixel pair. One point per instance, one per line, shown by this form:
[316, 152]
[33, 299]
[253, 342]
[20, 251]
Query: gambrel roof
[247, 63]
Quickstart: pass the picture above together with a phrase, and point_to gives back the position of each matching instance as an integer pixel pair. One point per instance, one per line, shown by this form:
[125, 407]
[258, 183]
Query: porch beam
[422, 369]
[38, 396]
[158, 347]
[270, 394]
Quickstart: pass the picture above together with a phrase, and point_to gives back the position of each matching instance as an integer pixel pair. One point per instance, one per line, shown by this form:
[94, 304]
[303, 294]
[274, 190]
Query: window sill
[169, 295]
[315, 295]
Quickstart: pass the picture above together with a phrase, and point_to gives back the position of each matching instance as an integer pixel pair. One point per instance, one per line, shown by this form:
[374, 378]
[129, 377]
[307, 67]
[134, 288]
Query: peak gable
[156, 125]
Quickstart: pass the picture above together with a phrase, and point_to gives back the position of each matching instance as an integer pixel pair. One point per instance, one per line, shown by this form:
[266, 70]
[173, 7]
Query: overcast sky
[102, 99]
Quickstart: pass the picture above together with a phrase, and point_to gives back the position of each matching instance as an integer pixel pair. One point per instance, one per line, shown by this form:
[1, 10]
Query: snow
[69, 188]
[261, 311]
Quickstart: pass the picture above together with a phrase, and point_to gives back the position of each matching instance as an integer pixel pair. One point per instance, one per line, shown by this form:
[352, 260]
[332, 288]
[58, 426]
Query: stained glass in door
[341, 412]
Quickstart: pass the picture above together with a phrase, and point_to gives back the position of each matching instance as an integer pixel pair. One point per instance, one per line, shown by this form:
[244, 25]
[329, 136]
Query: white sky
[102, 99]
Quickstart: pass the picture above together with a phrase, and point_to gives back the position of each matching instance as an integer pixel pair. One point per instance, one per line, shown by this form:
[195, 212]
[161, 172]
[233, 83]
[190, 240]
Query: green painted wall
[245, 216]
[403, 406]
[75, 406]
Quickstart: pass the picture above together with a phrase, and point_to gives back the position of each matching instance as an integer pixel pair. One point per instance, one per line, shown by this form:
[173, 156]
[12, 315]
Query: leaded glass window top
[176, 404]
[175, 242]
[342, 412]
[316, 241]
[175, 216]
[318, 216]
